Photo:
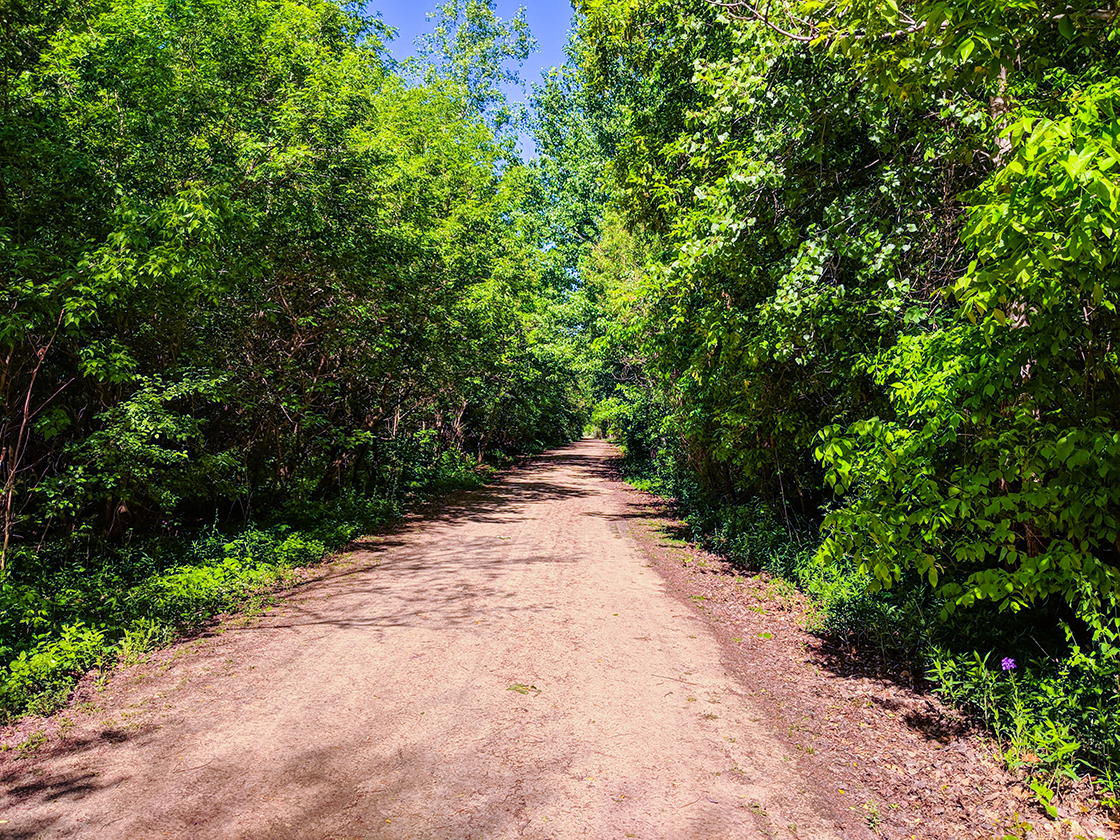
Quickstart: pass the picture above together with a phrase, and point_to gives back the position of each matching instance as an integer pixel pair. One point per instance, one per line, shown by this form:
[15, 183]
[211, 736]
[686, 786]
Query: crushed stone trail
[510, 667]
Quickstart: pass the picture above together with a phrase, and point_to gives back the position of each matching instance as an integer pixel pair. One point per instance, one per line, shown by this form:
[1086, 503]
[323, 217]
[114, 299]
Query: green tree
[883, 240]
[472, 48]
[199, 192]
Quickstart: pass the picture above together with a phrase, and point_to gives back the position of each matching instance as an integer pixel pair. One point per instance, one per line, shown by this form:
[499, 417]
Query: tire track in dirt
[509, 667]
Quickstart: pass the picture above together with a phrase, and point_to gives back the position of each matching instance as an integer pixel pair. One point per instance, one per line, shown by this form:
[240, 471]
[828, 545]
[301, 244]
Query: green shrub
[1056, 710]
[80, 612]
[49, 668]
[334, 522]
[1058, 715]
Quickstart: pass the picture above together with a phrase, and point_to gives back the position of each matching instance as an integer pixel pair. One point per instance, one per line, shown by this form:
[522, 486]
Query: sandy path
[377, 701]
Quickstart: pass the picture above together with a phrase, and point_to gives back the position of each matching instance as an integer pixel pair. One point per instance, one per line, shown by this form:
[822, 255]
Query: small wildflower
[1008, 663]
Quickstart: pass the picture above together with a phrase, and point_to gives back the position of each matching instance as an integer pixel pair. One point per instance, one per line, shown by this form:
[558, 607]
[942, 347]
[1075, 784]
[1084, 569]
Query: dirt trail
[512, 667]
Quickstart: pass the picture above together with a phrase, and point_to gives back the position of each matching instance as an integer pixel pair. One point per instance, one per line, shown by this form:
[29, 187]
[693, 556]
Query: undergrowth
[1038, 680]
[70, 606]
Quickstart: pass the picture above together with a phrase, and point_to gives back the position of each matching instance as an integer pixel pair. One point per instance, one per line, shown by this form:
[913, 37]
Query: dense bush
[70, 615]
[875, 292]
[69, 607]
[252, 274]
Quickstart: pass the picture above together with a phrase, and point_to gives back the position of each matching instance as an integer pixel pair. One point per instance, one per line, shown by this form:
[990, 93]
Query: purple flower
[1008, 663]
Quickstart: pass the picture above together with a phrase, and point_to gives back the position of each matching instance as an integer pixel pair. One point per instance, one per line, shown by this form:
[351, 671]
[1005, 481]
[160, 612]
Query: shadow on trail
[435, 600]
[422, 573]
[501, 502]
[28, 830]
[434, 787]
[35, 783]
[633, 511]
[70, 787]
[661, 515]
[844, 658]
[541, 479]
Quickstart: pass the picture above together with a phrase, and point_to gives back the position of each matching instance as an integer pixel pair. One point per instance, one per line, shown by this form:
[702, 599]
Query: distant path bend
[512, 667]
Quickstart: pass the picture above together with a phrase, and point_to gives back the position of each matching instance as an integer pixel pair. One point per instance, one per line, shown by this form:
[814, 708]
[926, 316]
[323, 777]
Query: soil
[541, 658]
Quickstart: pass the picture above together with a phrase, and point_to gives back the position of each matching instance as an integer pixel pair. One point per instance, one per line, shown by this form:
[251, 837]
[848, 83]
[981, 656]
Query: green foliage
[998, 481]
[70, 615]
[472, 47]
[114, 604]
[252, 274]
[1057, 719]
[897, 625]
[993, 477]
[795, 236]
[249, 264]
[876, 290]
[48, 669]
[149, 451]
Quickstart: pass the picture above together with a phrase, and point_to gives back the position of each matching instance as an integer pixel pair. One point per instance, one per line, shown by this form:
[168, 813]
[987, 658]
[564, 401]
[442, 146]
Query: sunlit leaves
[197, 191]
[472, 48]
[827, 185]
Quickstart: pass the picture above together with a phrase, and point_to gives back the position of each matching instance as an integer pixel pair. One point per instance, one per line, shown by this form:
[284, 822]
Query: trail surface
[511, 667]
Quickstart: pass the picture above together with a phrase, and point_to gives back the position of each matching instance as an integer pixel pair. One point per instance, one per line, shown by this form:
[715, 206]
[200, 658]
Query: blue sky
[548, 21]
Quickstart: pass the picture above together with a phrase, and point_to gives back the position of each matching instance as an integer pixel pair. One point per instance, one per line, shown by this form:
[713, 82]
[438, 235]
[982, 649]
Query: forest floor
[542, 658]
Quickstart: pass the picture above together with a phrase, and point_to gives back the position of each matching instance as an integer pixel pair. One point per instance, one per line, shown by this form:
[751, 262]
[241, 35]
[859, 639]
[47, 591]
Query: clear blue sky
[548, 21]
